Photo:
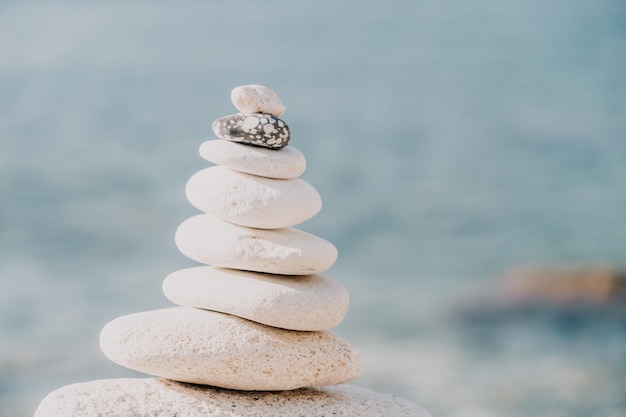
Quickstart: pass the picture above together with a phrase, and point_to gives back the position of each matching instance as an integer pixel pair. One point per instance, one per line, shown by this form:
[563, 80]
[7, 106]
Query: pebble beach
[449, 145]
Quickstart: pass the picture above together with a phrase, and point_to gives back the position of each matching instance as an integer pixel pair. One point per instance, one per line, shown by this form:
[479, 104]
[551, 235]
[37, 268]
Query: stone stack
[254, 318]
[251, 326]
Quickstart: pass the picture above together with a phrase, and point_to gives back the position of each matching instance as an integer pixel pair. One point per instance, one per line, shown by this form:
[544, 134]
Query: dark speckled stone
[253, 129]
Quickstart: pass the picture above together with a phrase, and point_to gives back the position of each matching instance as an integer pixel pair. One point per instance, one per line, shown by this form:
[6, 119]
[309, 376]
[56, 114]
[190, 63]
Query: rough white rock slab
[309, 302]
[253, 98]
[253, 201]
[153, 397]
[210, 348]
[284, 163]
[288, 251]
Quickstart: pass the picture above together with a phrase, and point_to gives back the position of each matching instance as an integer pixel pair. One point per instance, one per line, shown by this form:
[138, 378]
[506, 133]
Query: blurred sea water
[450, 142]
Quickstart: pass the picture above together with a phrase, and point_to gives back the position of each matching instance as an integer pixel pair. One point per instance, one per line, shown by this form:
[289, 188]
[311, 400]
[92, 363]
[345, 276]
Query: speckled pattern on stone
[254, 129]
[153, 397]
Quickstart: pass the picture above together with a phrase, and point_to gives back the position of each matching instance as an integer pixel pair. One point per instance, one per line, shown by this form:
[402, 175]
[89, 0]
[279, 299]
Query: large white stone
[253, 98]
[210, 348]
[284, 163]
[253, 201]
[309, 302]
[155, 397]
[288, 251]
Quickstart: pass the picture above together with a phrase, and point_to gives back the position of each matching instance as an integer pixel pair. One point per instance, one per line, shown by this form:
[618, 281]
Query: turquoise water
[450, 142]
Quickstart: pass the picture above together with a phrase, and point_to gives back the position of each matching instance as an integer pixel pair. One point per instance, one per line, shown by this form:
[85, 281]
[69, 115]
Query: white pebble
[288, 251]
[305, 303]
[209, 348]
[253, 201]
[254, 98]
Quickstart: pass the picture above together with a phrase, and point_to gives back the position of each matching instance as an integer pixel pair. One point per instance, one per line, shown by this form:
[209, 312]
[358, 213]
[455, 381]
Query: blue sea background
[450, 141]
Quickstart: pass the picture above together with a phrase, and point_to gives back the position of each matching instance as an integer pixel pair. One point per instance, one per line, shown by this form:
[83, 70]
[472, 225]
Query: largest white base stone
[209, 348]
[153, 397]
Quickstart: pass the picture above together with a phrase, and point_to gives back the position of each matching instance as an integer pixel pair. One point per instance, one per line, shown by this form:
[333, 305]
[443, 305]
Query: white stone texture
[309, 302]
[210, 348]
[155, 397]
[284, 163]
[288, 251]
[253, 201]
[254, 98]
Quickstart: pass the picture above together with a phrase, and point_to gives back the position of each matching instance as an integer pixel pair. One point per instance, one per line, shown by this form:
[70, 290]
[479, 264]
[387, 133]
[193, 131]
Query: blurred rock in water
[563, 285]
[562, 298]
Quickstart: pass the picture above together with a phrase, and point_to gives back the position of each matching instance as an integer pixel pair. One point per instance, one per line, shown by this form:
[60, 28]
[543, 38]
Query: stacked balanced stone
[254, 317]
[251, 326]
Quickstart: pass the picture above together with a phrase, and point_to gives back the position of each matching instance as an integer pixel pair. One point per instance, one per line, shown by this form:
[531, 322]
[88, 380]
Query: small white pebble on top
[252, 98]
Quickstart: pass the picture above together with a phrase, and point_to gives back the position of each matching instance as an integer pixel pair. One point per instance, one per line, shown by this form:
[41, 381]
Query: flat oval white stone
[253, 201]
[284, 163]
[209, 348]
[156, 397]
[305, 303]
[288, 251]
[253, 98]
